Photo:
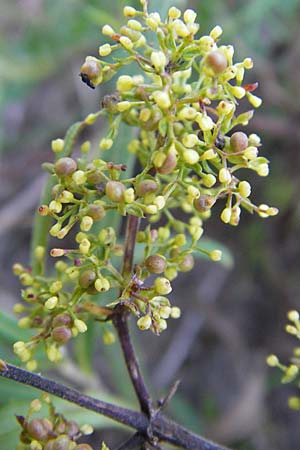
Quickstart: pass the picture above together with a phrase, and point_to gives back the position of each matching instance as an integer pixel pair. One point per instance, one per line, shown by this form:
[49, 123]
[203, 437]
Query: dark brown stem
[120, 321]
[162, 428]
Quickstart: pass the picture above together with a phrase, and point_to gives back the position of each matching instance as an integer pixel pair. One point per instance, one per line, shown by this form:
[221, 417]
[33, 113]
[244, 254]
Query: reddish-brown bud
[96, 212]
[36, 428]
[87, 278]
[156, 263]
[61, 334]
[61, 443]
[204, 203]
[187, 263]
[238, 141]
[217, 61]
[169, 164]
[61, 319]
[115, 191]
[65, 166]
[145, 186]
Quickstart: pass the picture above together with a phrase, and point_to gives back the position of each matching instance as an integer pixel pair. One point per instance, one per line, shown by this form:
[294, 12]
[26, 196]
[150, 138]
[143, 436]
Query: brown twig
[120, 321]
[163, 429]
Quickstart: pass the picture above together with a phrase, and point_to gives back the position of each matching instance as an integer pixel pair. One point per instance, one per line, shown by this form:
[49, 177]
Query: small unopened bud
[217, 61]
[175, 312]
[162, 286]
[215, 255]
[144, 323]
[86, 223]
[57, 145]
[105, 50]
[51, 303]
[80, 325]
[224, 175]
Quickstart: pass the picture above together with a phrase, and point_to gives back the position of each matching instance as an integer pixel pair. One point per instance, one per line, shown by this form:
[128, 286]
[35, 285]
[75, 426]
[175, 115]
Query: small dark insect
[86, 80]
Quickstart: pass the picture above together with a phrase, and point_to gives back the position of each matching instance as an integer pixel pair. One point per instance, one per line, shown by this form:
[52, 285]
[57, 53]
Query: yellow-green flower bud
[105, 50]
[160, 202]
[80, 325]
[251, 153]
[123, 106]
[84, 246]
[254, 100]
[162, 99]
[125, 83]
[238, 91]
[224, 175]
[107, 30]
[175, 312]
[216, 32]
[204, 122]
[129, 195]
[86, 223]
[226, 215]
[180, 28]
[144, 322]
[244, 189]
[293, 316]
[51, 303]
[159, 60]
[174, 13]
[55, 207]
[129, 11]
[162, 286]
[126, 42]
[209, 180]
[215, 255]
[57, 145]
[189, 16]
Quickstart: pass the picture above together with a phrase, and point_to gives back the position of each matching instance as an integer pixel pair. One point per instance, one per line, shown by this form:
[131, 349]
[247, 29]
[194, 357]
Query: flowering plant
[183, 104]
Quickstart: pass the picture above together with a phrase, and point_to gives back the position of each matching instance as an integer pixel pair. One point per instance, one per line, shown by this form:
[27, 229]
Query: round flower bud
[174, 13]
[156, 263]
[159, 60]
[126, 42]
[226, 215]
[293, 316]
[65, 166]
[209, 180]
[175, 312]
[238, 91]
[125, 83]
[57, 145]
[216, 32]
[61, 334]
[115, 191]
[51, 303]
[191, 157]
[105, 50]
[204, 122]
[238, 141]
[244, 189]
[37, 429]
[186, 264]
[105, 144]
[251, 153]
[162, 325]
[129, 11]
[91, 68]
[145, 186]
[86, 223]
[162, 286]
[107, 30]
[169, 163]
[217, 61]
[61, 319]
[87, 278]
[79, 177]
[144, 322]
[162, 99]
[96, 212]
[224, 175]
[180, 28]
[62, 443]
[204, 203]
[215, 255]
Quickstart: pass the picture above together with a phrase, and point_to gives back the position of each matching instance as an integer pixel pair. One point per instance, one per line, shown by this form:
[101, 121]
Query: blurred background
[233, 315]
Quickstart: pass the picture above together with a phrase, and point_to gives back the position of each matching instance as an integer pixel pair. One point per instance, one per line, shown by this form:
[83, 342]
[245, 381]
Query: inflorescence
[184, 103]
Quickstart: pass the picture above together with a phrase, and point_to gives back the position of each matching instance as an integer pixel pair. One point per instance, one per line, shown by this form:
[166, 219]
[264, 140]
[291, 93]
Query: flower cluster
[291, 372]
[53, 432]
[184, 101]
